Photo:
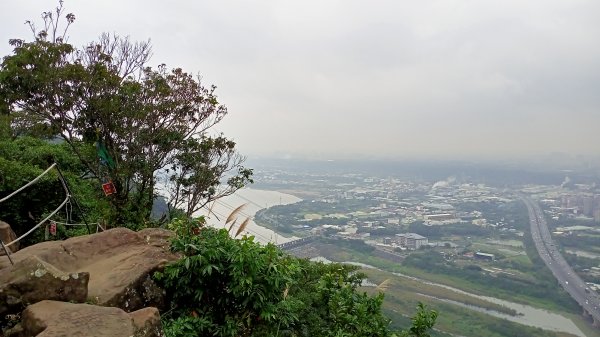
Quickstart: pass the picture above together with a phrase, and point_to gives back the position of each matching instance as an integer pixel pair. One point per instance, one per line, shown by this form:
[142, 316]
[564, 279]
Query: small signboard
[109, 188]
[52, 228]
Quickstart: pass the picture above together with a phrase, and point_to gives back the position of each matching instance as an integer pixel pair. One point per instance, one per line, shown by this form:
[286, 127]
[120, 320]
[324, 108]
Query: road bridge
[296, 243]
[587, 298]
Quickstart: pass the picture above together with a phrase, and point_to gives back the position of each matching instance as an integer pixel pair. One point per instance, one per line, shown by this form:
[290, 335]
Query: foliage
[331, 305]
[23, 159]
[578, 241]
[580, 262]
[538, 288]
[227, 287]
[291, 218]
[439, 232]
[354, 244]
[230, 287]
[5, 129]
[147, 126]
[422, 322]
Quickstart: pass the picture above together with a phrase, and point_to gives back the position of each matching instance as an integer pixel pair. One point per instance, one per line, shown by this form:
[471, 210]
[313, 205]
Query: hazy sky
[391, 78]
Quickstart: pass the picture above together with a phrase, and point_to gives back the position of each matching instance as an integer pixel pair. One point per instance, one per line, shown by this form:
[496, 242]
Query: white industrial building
[411, 240]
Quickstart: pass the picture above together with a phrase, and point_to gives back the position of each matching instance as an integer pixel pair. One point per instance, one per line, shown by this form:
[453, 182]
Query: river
[527, 315]
[256, 200]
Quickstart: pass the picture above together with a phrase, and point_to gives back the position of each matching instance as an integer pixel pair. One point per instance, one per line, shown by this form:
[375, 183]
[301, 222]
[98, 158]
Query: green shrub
[227, 287]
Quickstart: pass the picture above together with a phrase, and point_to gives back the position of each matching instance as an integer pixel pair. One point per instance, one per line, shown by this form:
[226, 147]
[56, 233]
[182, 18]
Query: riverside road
[588, 299]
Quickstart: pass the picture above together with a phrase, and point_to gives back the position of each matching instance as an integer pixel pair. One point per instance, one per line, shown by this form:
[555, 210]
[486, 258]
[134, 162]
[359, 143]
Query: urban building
[485, 256]
[411, 240]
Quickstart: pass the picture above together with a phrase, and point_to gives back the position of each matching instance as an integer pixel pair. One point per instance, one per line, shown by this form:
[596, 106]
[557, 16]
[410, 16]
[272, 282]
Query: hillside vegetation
[228, 287]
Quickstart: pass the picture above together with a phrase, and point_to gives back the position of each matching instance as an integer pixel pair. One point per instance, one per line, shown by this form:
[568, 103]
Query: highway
[548, 251]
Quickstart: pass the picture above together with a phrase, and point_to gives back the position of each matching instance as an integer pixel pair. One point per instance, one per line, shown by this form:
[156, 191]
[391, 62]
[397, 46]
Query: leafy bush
[231, 287]
[227, 287]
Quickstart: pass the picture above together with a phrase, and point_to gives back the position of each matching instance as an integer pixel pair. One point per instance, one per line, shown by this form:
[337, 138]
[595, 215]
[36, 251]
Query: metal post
[7, 253]
[66, 185]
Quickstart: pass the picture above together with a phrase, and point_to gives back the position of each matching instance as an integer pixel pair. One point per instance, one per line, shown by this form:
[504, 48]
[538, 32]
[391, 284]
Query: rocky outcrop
[32, 280]
[120, 263]
[7, 235]
[53, 319]
[111, 271]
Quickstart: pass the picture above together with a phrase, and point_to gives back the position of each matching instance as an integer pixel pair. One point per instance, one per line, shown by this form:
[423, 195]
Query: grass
[336, 253]
[416, 286]
[496, 249]
[584, 326]
[399, 304]
[481, 289]
[402, 295]
[522, 259]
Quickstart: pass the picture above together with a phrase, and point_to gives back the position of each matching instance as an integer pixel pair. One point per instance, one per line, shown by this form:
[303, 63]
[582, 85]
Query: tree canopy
[147, 130]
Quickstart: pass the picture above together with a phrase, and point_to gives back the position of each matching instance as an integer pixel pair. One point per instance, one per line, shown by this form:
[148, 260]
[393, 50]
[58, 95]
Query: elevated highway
[587, 298]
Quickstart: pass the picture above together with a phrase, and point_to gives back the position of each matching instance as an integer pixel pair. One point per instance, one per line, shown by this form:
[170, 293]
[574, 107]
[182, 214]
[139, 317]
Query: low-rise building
[485, 256]
[440, 217]
[411, 240]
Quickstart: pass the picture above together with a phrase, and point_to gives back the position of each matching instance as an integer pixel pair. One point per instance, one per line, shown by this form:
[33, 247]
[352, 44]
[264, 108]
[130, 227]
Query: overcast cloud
[444, 78]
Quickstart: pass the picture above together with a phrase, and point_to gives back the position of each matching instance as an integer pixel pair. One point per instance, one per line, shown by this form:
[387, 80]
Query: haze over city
[446, 79]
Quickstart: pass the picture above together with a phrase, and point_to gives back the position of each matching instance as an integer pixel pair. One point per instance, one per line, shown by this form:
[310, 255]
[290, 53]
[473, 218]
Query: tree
[194, 177]
[149, 127]
[422, 322]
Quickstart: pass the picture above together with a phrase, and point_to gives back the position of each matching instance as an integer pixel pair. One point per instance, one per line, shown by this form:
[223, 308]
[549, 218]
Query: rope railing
[40, 223]
[99, 227]
[28, 184]
[73, 224]
[67, 198]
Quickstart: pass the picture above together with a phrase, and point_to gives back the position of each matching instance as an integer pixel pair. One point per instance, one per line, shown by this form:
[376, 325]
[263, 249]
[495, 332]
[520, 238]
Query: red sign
[53, 228]
[109, 188]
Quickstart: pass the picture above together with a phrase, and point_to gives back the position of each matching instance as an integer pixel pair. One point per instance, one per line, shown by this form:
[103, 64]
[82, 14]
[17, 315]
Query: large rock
[54, 319]
[120, 263]
[8, 235]
[31, 280]
[147, 322]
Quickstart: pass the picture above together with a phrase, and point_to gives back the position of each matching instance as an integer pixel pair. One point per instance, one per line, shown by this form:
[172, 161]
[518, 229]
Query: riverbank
[405, 286]
[468, 310]
[254, 200]
[460, 306]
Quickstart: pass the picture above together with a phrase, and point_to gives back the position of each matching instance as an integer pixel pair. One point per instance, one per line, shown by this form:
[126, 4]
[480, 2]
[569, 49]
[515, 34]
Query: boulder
[120, 263]
[8, 235]
[31, 280]
[54, 319]
[147, 322]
